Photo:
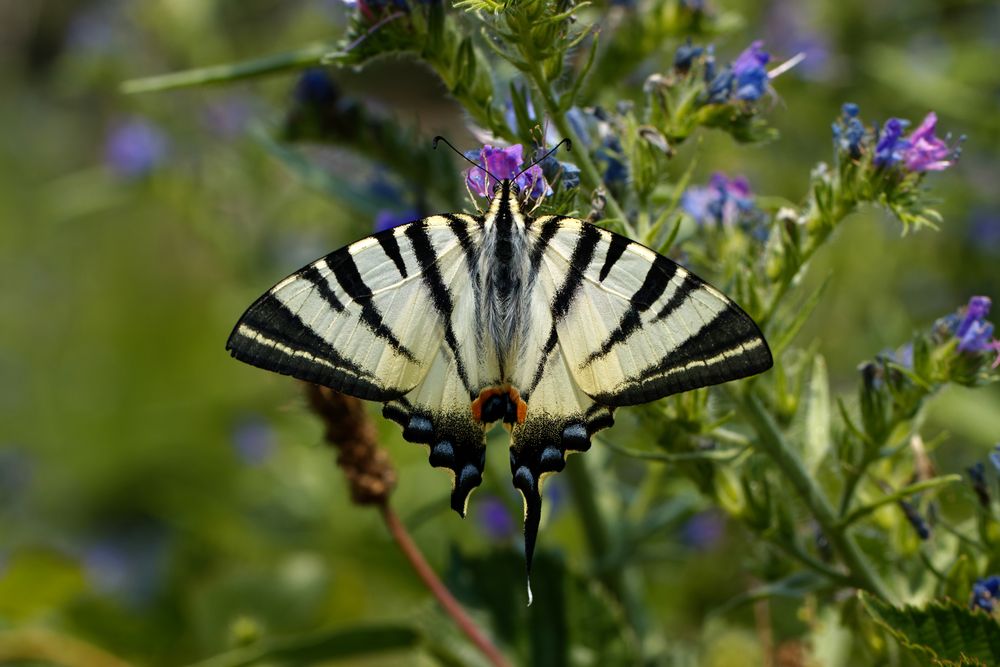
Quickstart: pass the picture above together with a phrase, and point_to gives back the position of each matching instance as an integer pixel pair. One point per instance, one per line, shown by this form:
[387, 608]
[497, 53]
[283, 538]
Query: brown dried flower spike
[368, 469]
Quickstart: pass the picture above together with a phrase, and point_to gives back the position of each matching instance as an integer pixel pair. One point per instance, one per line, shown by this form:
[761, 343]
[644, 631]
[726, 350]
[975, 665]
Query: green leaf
[944, 633]
[320, 647]
[791, 329]
[817, 440]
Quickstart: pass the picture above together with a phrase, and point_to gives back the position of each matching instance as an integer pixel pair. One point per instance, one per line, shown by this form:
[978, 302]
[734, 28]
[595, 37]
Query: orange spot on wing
[489, 392]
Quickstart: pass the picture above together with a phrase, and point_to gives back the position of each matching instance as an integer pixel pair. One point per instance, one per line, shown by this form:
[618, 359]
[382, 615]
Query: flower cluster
[919, 151]
[970, 327]
[504, 164]
[724, 201]
[745, 79]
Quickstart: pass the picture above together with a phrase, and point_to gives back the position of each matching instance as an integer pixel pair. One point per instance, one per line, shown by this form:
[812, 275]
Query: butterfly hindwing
[378, 320]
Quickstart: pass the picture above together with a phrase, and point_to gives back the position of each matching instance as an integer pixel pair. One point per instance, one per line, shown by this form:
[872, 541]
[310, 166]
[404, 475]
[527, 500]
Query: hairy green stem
[589, 174]
[773, 443]
[309, 55]
[595, 528]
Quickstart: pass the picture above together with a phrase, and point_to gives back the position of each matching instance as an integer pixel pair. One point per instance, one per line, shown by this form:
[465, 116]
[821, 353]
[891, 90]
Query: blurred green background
[164, 502]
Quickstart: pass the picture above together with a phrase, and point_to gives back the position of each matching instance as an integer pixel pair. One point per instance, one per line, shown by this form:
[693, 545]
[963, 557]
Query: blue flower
[316, 87]
[985, 592]
[720, 86]
[505, 163]
[849, 131]
[749, 72]
[253, 441]
[494, 519]
[915, 519]
[977, 477]
[685, 55]
[724, 200]
[891, 145]
[995, 458]
[610, 152]
[135, 147]
[387, 218]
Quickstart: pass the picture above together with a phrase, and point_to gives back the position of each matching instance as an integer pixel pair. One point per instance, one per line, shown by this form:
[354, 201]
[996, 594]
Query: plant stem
[588, 170]
[309, 55]
[595, 528]
[901, 494]
[773, 443]
[451, 606]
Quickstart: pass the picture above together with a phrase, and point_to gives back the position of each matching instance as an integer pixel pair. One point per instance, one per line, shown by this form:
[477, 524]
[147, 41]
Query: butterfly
[458, 322]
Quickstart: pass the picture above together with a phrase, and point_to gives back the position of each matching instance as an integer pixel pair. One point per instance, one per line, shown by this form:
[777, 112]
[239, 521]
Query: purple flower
[724, 200]
[253, 441]
[749, 72]
[969, 326]
[704, 530]
[985, 592]
[387, 219]
[495, 520]
[926, 152]
[891, 145]
[974, 333]
[504, 164]
[134, 147]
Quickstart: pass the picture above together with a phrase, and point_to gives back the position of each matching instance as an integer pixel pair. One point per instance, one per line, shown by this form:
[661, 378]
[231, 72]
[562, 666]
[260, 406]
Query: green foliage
[943, 633]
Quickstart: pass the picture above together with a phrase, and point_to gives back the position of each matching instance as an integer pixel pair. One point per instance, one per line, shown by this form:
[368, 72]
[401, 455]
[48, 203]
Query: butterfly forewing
[639, 327]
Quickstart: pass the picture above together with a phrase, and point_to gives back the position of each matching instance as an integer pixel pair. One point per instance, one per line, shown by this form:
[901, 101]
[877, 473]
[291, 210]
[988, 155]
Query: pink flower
[925, 151]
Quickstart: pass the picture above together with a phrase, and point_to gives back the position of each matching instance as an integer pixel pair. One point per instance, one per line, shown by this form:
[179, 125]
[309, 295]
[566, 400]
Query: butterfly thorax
[504, 271]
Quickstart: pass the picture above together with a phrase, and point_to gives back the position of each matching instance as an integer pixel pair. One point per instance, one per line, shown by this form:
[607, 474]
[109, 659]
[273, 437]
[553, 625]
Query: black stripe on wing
[423, 249]
[579, 262]
[272, 337]
[660, 273]
[615, 251]
[345, 269]
[729, 347]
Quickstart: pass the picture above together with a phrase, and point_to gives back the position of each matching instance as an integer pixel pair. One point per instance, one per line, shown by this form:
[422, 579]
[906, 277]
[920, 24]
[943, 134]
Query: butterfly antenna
[465, 157]
[569, 147]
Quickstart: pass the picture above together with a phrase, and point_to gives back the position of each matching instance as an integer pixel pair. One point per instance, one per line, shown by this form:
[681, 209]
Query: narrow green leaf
[901, 494]
[945, 633]
[817, 440]
[802, 313]
[320, 647]
[304, 57]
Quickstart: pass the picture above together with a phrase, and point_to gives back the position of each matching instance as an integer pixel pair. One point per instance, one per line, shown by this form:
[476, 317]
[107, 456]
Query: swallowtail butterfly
[457, 322]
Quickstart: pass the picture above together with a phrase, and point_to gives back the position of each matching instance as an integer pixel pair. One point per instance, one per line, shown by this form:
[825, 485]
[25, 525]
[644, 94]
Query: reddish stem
[443, 595]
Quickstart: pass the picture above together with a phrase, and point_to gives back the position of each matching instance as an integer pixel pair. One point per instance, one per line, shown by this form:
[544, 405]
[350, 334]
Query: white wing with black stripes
[634, 326]
[387, 319]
